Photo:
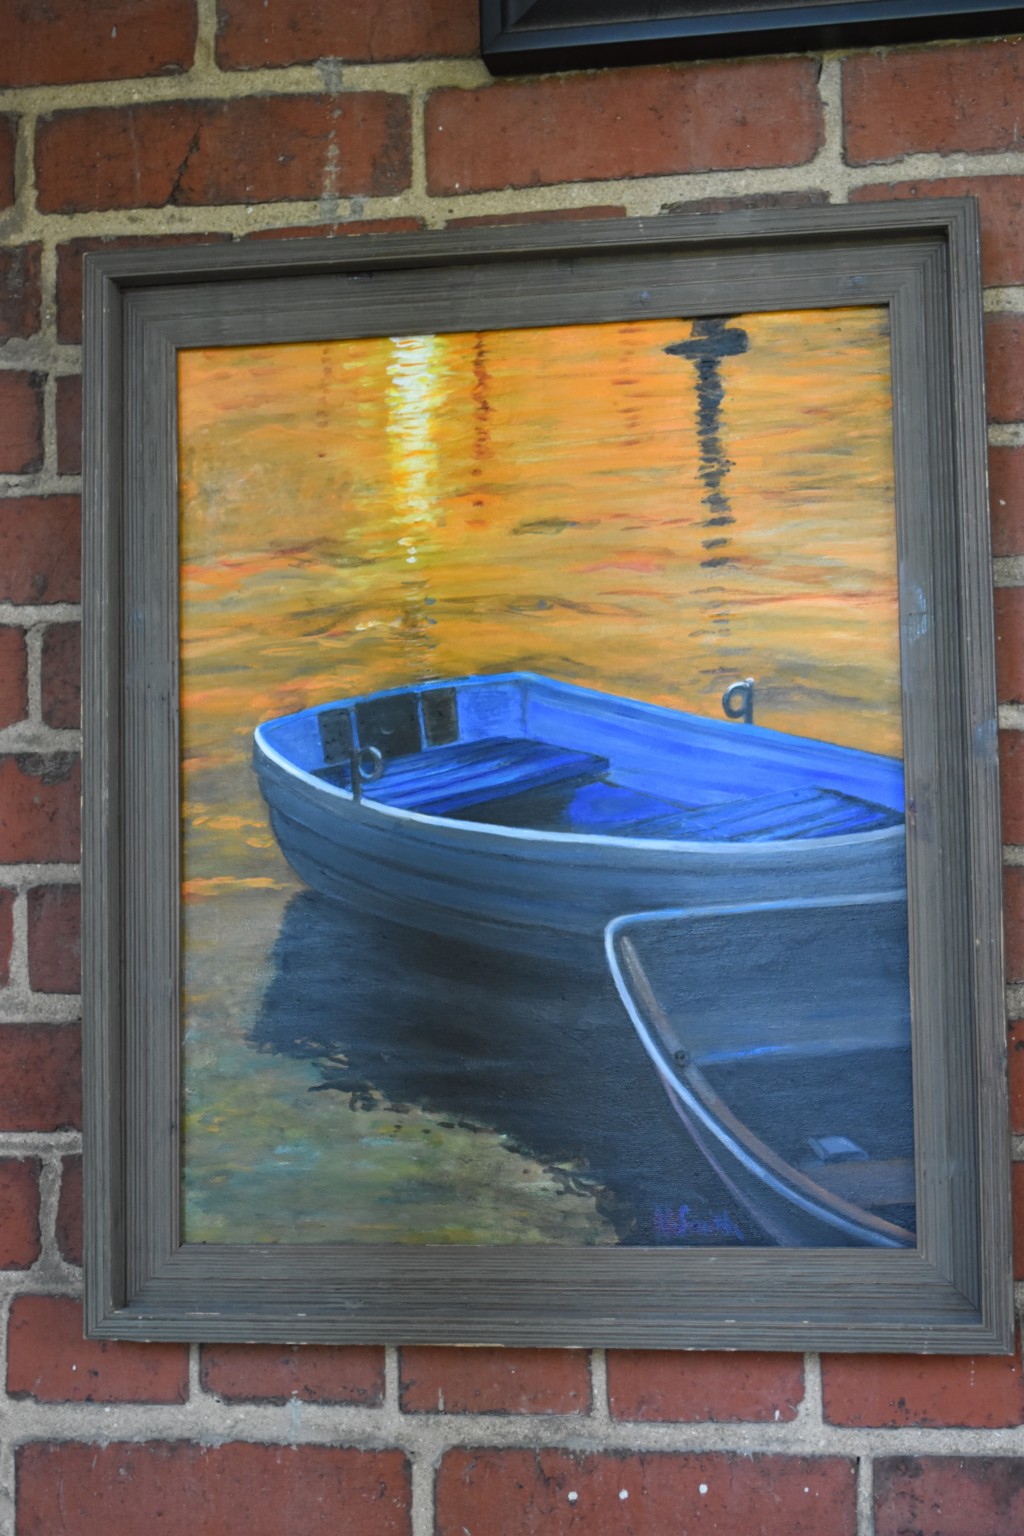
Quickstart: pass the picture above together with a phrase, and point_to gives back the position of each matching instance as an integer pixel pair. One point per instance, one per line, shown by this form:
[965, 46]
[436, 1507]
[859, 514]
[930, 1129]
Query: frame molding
[530, 36]
[954, 1292]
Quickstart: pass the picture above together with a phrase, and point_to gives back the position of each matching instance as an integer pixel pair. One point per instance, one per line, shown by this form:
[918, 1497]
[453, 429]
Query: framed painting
[525, 36]
[542, 844]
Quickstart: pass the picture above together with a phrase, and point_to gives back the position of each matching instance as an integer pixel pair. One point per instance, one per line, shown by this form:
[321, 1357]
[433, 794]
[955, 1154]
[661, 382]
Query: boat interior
[437, 764]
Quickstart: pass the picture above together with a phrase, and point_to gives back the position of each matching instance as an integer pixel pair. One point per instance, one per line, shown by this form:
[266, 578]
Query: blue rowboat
[781, 1034]
[516, 810]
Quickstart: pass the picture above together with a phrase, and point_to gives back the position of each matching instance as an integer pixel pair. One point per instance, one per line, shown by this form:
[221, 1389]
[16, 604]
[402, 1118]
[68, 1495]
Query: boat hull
[529, 893]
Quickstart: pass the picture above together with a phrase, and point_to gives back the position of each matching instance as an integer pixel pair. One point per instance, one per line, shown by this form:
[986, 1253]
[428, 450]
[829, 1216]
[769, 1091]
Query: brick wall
[145, 121]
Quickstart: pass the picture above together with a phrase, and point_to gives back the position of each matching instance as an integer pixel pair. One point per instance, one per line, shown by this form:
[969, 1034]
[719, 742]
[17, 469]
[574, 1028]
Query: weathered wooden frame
[953, 1293]
[527, 36]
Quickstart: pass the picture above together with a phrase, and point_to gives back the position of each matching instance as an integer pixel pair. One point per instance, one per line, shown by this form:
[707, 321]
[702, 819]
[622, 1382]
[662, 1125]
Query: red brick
[13, 674]
[1013, 919]
[1004, 366]
[1006, 498]
[69, 270]
[932, 101]
[69, 1211]
[6, 934]
[494, 1380]
[1009, 616]
[1000, 204]
[302, 31]
[650, 1386]
[21, 298]
[1017, 1075]
[1016, 1051]
[69, 424]
[62, 675]
[21, 422]
[182, 1489]
[256, 149]
[797, 198]
[55, 938]
[40, 1077]
[40, 810]
[65, 41]
[276, 1372]
[521, 1492]
[627, 122]
[1011, 780]
[949, 1496]
[931, 1391]
[406, 225]
[47, 1359]
[8, 140]
[1017, 1174]
[40, 549]
[19, 1212]
[536, 216]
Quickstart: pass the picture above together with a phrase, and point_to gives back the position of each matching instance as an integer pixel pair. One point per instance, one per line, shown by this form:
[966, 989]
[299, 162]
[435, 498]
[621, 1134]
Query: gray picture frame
[953, 1293]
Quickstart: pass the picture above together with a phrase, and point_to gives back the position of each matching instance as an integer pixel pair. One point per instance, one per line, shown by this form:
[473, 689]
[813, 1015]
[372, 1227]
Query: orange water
[370, 512]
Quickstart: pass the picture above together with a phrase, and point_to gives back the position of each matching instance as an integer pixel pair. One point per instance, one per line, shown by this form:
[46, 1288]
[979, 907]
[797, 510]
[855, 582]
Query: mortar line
[811, 1412]
[40, 1144]
[209, 1421]
[17, 971]
[23, 1006]
[195, 1384]
[206, 81]
[423, 1473]
[34, 664]
[7, 1444]
[418, 143]
[865, 1496]
[41, 354]
[32, 738]
[646, 196]
[600, 1408]
[26, 615]
[1008, 571]
[49, 465]
[25, 876]
[39, 485]
[830, 93]
[204, 59]
[1007, 299]
[392, 1382]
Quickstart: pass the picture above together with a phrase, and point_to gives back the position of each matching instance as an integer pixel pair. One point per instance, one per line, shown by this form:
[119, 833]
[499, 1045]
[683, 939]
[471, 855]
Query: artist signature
[670, 1224]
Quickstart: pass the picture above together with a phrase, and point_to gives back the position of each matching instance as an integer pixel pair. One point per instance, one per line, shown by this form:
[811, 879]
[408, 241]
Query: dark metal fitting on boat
[361, 775]
[738, 701]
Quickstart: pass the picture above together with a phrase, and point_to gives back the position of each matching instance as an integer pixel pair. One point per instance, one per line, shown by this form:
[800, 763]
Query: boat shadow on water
[539, 1051]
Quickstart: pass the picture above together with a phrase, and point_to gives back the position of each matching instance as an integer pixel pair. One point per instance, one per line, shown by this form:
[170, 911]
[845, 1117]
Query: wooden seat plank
[442, 780]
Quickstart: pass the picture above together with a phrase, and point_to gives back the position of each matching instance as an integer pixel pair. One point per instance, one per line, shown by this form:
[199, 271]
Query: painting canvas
[542, 789]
